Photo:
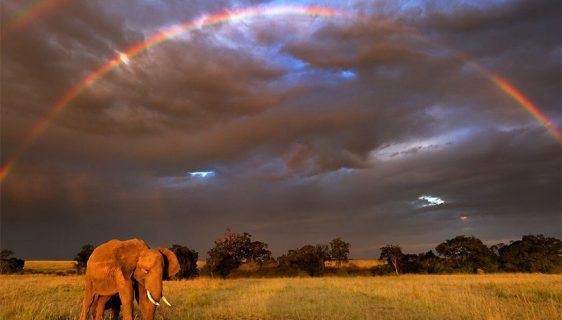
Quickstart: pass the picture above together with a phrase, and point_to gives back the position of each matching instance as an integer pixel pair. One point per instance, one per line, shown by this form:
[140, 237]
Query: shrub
[188, 261]
[9, 264]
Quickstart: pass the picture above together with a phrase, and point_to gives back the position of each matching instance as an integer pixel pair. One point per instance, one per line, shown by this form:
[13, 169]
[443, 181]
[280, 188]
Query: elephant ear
[171, 263]
[127, 255]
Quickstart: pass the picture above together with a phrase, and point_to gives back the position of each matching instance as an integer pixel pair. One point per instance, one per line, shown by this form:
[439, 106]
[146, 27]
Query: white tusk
[151, 298]
[166, 301]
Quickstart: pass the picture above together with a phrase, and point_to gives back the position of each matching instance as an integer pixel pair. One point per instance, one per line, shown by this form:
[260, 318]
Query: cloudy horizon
[294, 128]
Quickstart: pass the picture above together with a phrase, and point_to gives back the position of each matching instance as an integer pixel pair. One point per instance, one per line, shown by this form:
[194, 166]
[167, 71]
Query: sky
[380, 124]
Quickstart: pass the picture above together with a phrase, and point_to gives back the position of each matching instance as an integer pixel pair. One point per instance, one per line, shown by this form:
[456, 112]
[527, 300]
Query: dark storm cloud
[302, 153]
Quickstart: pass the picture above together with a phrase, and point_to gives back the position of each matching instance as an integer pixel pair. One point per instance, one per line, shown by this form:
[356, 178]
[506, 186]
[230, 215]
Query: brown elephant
[102, 303]
[125, 268]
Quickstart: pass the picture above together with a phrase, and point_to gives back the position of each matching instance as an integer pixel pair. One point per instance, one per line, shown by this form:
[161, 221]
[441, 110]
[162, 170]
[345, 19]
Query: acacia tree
[82, 257]
[392, 254]
[339, 251]
[232, 250]
[467, 253]
[533, 253]
[258, 252]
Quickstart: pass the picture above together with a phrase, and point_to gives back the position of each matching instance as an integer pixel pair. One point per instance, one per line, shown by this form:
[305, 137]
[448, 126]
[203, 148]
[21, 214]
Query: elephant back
[118, 252]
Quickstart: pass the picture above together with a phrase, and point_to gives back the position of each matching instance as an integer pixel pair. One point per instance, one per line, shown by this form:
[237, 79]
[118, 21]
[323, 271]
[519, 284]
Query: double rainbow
[28, 14]
[235, 15]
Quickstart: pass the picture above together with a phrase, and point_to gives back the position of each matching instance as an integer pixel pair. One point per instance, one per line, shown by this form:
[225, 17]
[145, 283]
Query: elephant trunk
[154, 302]
[154, 289]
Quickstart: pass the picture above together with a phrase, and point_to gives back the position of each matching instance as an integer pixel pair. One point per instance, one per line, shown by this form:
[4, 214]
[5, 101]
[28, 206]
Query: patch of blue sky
[348, 74]
[320, 77]
[202, 174]
[190, 179]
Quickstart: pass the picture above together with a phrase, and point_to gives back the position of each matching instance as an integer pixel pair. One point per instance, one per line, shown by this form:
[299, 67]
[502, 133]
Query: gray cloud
[302, 152]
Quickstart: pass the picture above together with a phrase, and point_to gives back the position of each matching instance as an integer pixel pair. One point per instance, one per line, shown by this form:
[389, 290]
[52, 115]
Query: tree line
[462, 254]
[237, 254]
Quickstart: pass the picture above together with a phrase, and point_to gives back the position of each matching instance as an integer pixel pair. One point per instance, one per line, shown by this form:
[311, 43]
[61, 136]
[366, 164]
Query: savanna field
[490, 296]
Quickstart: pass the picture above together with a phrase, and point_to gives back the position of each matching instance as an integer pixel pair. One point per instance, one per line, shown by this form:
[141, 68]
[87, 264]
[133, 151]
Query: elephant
[102, 303]
[127, 268]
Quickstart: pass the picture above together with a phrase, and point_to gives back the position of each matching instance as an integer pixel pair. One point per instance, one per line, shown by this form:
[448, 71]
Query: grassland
[48, 267]
[498, 296]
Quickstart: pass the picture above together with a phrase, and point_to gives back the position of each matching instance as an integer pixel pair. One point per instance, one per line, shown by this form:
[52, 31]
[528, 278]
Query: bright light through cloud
[124, 58]
[463, 218]
[431, 201]
[202, 174]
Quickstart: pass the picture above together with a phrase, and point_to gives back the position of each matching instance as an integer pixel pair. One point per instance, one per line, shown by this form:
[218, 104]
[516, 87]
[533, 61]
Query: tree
[392, 254]
[232, 250]
[467, 254]
[411, 263]
[9, 264]
[533, 253]
[82, 257]
[258, 252]
[339, 251]
[309, 258]
[5, 254]
[430, 263]
[188, 261]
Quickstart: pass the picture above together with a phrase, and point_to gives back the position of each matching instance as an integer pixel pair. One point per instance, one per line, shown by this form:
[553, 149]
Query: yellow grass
[490, 296]
[49, 266]
[359, 263]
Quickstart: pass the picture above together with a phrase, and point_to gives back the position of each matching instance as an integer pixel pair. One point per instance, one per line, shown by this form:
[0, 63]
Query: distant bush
[9, 264]
[82, 257]
[309, 259]
[188, 262]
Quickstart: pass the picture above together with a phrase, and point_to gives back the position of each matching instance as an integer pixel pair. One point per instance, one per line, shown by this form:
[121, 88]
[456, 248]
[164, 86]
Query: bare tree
[392, 254]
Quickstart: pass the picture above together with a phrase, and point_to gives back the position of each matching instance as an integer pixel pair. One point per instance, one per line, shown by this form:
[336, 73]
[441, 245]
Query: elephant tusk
[166, 301]
[151, 298]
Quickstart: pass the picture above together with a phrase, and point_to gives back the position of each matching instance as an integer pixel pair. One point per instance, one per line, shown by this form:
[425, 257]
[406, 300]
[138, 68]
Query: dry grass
[493, 296]
[48, 266]
[359, 263]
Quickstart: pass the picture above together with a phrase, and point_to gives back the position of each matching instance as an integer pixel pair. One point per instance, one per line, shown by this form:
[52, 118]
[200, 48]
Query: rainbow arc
[235, 15]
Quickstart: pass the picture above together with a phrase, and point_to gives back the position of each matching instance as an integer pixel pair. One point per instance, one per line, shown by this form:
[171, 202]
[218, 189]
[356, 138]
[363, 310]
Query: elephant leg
[126, 296]
[100, 306]
[115, 305]
[88, 300]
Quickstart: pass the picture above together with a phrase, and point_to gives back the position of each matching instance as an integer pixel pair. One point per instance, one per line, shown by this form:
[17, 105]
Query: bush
[82, 257]
[188, 262]
[309, 259]
[10, 264]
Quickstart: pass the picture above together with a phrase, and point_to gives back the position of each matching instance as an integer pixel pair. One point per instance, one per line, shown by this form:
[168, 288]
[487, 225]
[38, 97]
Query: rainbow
[529, 106]
[171, 32]
[29, 14]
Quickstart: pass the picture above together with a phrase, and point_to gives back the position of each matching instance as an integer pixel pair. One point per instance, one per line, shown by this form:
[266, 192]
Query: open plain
[489, 296]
